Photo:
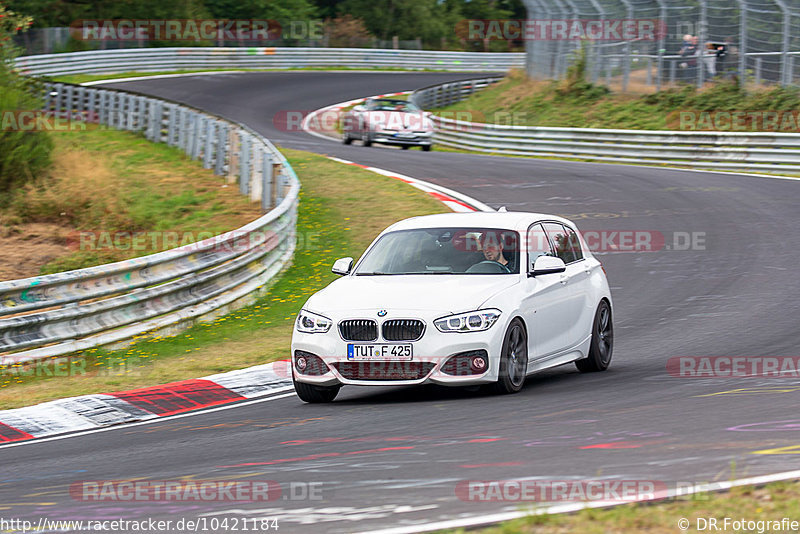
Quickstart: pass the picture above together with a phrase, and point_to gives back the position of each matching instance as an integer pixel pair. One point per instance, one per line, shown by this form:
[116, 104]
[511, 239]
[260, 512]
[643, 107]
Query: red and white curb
[88, 412]
[452, 199]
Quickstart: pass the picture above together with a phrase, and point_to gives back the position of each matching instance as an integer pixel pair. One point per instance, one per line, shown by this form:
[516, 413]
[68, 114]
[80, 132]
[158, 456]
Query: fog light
[469, 363]
[310, 364]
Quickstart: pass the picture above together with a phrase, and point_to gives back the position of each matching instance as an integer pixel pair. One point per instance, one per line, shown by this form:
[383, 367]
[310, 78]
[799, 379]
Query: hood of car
[445, 293]
[398, 120]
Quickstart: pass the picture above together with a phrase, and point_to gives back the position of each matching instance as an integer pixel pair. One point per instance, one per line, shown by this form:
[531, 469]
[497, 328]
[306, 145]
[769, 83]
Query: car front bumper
[386, 138]
[430, 354]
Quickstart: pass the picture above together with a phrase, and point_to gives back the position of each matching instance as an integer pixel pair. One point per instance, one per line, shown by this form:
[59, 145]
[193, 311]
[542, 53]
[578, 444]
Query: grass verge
[110, 196]
[342, 208]
[768, 503]
[522, 102]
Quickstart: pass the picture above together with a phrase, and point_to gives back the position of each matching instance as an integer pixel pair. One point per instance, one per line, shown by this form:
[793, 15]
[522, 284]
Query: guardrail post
[58, 89]
[172, 109]
[221, 149]
[112, 107]
[181, 121]
[266, 180]
[277, 170]
[199, 130]
[133, 109]
[256, 183]
[153, 126]
[119, 110]
[233, 157]
[80, 97]
[672, 64]
[208, 146]
[102, 112]
[191, 133]
[161, 118]
[91, 100]
[70, 98]
[244, 169]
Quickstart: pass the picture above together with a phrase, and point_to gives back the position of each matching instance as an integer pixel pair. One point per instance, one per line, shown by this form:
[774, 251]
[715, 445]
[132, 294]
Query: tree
[22, 154]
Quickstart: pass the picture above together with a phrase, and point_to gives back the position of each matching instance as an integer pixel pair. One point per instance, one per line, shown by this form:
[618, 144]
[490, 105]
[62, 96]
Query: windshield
[443, 251]
[392, 105]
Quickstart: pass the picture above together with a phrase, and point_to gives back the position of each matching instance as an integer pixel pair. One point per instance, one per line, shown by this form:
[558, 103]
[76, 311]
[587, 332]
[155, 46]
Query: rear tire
[315, 394]
[346, 139]
[602, 344]
[513, 359]
[365, 139]
[406, 147]
[427, 148]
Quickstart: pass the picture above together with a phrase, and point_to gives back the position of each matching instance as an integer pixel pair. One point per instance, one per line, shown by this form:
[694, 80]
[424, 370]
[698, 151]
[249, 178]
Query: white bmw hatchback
[456, 299]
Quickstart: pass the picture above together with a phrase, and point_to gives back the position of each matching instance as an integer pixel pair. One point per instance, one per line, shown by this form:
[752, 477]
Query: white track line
[486, 519]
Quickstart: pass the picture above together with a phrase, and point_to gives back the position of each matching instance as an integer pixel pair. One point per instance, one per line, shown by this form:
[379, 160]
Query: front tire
[602, 344]
[366, 140]
[427, 148]
[513, 359]
[315, 394]
[346, 139]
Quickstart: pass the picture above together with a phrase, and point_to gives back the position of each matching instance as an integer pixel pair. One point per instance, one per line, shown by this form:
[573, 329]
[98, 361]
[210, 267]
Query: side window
[538, 244]
[560, 241]
[575, 243]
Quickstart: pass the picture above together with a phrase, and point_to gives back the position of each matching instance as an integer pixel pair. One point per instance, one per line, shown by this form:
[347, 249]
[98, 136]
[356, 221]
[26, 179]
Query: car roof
[510, 220]
[392, 100]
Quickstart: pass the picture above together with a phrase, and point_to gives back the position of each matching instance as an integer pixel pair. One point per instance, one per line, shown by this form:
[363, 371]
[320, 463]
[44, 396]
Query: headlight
[475, 321]
[312, 323]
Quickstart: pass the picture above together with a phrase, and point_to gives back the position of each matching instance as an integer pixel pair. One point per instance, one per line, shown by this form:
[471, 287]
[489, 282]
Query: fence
[769, 152]
[58, 39]
[60, 313]
[166, 59]
[761, 40]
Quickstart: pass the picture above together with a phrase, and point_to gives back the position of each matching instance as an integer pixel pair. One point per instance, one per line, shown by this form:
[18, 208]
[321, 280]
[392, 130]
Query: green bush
[23, 155]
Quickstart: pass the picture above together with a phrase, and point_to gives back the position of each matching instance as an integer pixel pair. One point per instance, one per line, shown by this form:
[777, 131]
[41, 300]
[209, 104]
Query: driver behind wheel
[492, 248]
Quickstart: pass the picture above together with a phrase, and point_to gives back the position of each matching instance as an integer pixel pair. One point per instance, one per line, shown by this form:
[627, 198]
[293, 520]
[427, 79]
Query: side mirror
[547, 265]
[359, 108]
[342, 266]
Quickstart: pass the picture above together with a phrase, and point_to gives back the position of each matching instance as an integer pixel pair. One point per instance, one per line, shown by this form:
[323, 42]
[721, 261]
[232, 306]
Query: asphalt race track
[393, 456]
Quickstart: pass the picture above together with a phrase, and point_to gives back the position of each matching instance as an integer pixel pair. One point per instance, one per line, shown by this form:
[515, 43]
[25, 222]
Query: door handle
[564, 279]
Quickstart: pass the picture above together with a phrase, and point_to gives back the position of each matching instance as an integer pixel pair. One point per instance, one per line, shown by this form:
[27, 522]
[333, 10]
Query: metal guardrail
[749, 151]
[60, 313]
[167, 59]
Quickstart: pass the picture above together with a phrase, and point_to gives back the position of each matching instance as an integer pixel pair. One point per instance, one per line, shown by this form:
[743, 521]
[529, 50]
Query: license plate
[396, 352]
